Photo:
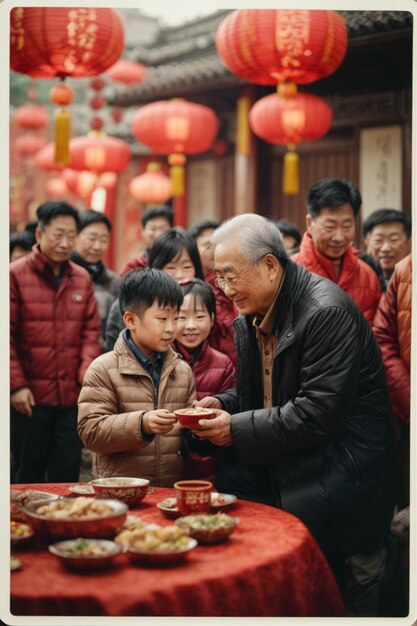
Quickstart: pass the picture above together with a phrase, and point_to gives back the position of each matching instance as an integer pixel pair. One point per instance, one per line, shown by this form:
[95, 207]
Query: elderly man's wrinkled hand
[216, 429]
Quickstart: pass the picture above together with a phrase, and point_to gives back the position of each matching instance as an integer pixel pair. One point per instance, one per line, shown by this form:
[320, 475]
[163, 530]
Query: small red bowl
[189, 417]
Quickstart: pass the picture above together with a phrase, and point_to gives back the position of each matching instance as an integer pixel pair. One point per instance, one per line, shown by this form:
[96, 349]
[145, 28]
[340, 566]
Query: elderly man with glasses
[327, 247]
[308, 426]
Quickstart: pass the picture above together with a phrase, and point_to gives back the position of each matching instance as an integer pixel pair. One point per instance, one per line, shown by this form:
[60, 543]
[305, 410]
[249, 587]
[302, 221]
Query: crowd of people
[299, 343]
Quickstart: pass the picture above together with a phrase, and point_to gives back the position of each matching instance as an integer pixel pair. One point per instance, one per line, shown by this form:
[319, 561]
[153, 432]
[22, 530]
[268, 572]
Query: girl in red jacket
[213, 371]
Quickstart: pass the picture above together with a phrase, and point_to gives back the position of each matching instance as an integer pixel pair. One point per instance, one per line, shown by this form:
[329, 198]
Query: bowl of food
[150, 544]
[128, 490]
[169, 507]
[82, 490]
[208, 528]
[69, 518]
[221, 501]
[20, 533]
[189, 417]
[21, 497]
[85, 554]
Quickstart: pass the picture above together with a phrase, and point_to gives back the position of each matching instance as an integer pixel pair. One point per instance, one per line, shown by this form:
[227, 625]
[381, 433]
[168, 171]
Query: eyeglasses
[224, 283]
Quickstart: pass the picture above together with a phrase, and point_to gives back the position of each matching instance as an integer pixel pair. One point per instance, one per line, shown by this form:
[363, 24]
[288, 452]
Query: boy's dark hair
[90, 216]
[196, 229]
[288, 228]
[169, 245]
[54, 208]
[331, 193]
[22, 239]
[140, 288]
[199, 289]
[160, 210]
[386, 216]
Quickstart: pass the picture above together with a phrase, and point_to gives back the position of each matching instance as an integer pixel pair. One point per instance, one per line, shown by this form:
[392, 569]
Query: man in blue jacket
[308, 426]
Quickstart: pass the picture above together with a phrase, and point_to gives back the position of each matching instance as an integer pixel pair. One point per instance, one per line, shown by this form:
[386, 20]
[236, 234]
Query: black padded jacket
[325, 451]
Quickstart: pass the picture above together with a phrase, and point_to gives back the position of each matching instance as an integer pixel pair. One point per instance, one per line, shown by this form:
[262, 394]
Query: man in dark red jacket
[54, 336]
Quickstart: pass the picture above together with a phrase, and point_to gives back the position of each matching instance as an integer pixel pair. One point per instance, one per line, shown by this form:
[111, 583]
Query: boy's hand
[158, 422]
[22, 401]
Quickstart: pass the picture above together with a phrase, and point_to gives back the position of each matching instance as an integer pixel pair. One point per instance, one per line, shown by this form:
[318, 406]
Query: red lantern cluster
[269, 46]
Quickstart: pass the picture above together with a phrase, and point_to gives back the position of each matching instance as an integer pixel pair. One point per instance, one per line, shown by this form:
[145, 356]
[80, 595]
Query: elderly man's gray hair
[257, 236]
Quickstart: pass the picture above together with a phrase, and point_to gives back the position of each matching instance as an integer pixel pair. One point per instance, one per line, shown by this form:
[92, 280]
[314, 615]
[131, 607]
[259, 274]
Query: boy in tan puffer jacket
[125, 406]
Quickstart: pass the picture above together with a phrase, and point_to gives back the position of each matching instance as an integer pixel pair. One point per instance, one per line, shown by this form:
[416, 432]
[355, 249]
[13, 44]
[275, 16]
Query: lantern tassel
[177, 179]
[177, 174]
[62, 136]
[291, 173]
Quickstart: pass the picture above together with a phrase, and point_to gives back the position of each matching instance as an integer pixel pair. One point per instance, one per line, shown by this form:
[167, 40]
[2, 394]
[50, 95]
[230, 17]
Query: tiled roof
[184, 59]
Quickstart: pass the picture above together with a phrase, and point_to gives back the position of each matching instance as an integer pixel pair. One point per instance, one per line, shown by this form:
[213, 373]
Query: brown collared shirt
[267, 345]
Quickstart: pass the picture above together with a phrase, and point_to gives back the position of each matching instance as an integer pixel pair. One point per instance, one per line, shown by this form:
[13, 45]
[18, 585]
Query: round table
[270, 566]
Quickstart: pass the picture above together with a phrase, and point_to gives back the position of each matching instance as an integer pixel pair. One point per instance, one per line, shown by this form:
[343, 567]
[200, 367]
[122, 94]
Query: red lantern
[99, 153]
[127, 72]
[269, 46]
[96, 123]
[44, 159]
[97, 102]
[176, 126]
[279, 120]
[56, 188]
[59, 42]
[71, 179]
[287, 121]
[31, 116]
[97, 84]
[116, 114]
[28, 145]
[152, 187]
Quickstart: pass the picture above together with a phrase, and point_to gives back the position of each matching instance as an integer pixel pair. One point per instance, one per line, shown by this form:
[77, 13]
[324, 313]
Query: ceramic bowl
[86, 554]
[128, 490]
[189, 417]
[20, 497]
[95, 521]
[82, 490]
[209, 528]
[20, 533]
[155, 558]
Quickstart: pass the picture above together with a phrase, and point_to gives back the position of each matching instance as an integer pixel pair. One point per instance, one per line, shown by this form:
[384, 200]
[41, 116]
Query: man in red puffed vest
[54, 336]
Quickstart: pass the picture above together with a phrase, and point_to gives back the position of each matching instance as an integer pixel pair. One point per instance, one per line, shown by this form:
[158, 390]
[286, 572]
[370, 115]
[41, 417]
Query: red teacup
[193, 496]
[189, 417]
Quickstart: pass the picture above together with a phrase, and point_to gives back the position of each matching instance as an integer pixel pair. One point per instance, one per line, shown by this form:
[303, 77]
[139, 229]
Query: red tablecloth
[270, 566]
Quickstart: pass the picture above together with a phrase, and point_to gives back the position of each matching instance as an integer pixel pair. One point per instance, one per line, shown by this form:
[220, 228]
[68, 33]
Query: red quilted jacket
[139, 262]
[392, 327]
[213, 371]
[357, 278]
[222, 336]
[54, 331]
